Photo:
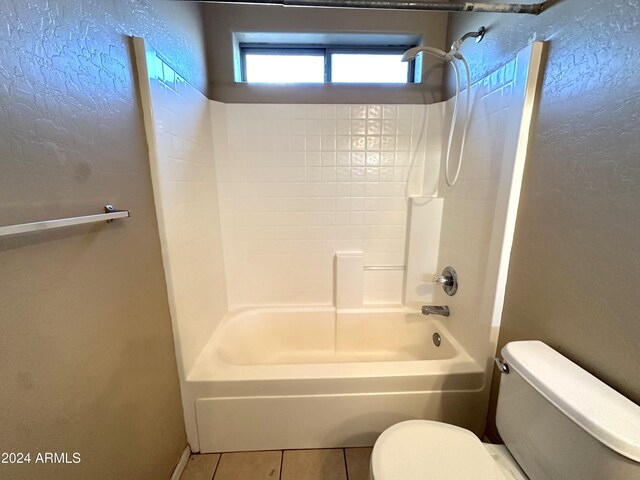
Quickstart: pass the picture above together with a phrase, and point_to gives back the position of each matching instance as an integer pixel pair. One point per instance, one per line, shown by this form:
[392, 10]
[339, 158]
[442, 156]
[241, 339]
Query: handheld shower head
[412, 53]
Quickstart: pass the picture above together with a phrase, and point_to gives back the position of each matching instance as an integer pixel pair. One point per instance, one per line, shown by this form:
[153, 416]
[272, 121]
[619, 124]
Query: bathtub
[280, 378]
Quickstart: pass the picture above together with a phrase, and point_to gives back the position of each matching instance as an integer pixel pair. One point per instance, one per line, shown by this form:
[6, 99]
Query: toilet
[558, 422]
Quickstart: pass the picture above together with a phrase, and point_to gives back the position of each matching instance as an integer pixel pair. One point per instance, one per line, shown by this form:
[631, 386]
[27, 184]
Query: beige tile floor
[325, 464]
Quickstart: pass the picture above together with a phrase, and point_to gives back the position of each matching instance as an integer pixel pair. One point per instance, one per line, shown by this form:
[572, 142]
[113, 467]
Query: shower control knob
[441, 280]
[448, 281]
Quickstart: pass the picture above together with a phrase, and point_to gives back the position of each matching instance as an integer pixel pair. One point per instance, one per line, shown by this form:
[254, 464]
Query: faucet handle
[441, 279]
[448, 280]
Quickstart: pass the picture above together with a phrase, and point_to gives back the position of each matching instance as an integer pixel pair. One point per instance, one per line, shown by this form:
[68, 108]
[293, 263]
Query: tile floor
[325, 464]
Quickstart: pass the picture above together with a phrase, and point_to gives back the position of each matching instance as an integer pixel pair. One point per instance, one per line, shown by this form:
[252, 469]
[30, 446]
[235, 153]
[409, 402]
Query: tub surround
[477, 217]
[310, 195]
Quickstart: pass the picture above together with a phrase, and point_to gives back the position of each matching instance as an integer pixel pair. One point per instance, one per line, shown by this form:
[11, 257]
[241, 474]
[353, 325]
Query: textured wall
[575, 268]
[223, 20]
[86, 359]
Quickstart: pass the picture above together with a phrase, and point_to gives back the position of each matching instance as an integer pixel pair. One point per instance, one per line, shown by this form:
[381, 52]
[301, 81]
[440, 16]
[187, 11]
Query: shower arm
[441, 6]
[479, 35]
[451, 54]
[455, 46]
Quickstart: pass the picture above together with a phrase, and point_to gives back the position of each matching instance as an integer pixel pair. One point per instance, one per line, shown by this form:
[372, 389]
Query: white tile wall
[184, 184]
[474, 209]
[302, 182]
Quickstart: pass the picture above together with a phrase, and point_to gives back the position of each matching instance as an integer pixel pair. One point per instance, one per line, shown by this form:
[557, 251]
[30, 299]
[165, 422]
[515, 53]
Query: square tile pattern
[298, 183]
[185, 188]
[324, 464]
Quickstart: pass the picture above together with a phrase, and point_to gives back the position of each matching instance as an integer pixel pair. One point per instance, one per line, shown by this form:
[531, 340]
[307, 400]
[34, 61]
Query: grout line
[215, 470]
[281, 463]
[346, 465]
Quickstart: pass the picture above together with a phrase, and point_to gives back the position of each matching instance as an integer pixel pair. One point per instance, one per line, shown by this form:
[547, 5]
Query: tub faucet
[436, 310]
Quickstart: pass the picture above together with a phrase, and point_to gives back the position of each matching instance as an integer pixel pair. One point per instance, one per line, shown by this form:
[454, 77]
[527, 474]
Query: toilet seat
[426, 450]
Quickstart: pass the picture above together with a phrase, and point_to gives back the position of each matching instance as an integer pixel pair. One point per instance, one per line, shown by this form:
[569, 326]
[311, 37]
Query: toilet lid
[425, 450]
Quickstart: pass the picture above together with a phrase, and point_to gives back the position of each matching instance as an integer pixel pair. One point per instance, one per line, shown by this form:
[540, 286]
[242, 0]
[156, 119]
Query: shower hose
[451, 58]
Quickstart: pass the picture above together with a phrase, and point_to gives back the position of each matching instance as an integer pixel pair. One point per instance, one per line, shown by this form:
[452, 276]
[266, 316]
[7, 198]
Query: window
[263, 65]
[326, 64]
[369, 68]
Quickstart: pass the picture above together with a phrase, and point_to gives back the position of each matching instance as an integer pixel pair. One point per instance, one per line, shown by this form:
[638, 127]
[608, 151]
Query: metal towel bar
[109, 215]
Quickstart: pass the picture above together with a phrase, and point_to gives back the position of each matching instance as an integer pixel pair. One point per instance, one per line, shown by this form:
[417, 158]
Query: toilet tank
[561, 423]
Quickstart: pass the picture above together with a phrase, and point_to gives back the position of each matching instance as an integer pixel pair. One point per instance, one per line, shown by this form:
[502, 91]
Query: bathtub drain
[436, 339]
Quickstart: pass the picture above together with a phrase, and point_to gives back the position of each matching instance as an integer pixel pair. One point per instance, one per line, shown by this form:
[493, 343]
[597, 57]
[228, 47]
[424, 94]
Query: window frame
[326, 51]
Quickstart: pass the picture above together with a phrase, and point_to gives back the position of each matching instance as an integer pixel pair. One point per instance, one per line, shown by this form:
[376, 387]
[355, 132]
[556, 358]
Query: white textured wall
[302, 182]
[185, 191]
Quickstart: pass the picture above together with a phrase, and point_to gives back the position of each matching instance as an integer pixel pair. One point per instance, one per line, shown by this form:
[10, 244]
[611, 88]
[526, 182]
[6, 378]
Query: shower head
[412, 53]
[479, 35]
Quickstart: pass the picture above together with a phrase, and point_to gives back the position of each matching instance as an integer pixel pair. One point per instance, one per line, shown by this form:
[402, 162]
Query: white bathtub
[313, 378]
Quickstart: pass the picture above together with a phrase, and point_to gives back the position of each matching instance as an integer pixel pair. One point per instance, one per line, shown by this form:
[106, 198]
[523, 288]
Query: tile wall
[186, 197]
[298, 183]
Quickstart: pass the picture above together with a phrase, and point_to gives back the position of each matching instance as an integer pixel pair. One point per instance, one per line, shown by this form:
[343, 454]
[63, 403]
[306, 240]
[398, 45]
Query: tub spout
[436, 310]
